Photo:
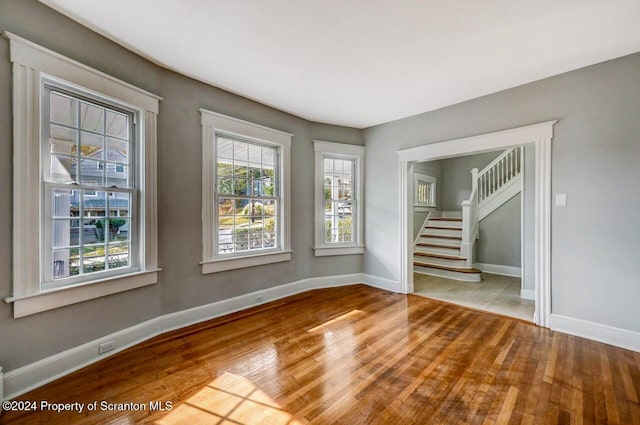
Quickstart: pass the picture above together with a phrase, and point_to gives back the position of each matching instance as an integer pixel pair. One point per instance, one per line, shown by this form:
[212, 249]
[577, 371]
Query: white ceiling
[365, 62]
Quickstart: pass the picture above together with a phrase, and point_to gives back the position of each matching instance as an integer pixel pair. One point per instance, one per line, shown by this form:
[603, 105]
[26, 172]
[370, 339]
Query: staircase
[445, 245]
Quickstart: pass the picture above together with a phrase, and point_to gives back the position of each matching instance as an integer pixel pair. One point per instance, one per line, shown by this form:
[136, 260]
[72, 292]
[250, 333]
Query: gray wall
[595, 156]
[433, 169]
[499, 241]
[181, 283]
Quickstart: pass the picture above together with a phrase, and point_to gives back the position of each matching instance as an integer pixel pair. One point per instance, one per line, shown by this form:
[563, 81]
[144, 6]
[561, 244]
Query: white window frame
[430, 203]
[214, 123]
[324, 149]
[31, 65]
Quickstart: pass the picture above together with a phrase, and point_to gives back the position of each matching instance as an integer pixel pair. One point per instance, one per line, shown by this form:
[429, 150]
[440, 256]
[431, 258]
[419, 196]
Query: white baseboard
[498, 269]
[528, 294]
[618, 337]
[382, 283]
[34, 375]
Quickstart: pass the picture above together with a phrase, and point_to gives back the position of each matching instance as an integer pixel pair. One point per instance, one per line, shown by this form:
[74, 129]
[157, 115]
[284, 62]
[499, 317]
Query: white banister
[470, 221]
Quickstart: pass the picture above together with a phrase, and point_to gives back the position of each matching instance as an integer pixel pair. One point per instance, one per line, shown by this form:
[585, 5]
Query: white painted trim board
[606, 334]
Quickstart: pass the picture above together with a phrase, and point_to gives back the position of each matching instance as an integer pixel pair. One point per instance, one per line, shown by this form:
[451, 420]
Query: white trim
[478, 144]
[33, 56]
[498, 269]
[34, 375]
[213, 122]
[382, 283]
[355, 153]
[528, 294]
[33, 64]
[611, 335]
[506, 192]
[338, 250]
[48, 300]
[214, 266]
[541, 135]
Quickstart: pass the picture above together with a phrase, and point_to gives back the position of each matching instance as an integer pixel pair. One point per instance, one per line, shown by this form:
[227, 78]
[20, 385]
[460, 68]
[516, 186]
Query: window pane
[240, 187]
[91, 117]
[240, 170]
[65, 263]
[225, 186]
[93, 231]
[91, 145]
[61, 202]
[63, 140]
[268, 157]
[117, 175]
[240, 151]
[93, 259]
[91, 172]
[117, 125]
[255, 154]
[225, 168]
[118, 230]
[118, 256]
[62, 235]
[94, 203]
[62, 169]
[119, 204]
[270, 207]
[63, 109]
[117, 151]
[225, 148]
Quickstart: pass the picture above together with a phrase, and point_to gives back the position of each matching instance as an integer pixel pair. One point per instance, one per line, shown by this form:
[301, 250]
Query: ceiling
[365, 62]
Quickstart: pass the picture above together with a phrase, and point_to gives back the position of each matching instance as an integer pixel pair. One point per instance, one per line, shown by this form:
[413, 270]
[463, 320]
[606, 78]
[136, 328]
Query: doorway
[540, 135]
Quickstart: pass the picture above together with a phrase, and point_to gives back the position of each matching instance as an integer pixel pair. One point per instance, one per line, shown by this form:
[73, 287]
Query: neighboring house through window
[245, 194]
[338, 193]
[88, 147]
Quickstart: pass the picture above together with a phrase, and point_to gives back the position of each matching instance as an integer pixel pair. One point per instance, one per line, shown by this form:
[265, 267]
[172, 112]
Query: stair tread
[437, 245]
[443, 227]
[445, 218]
[441, 267]
[431, 235]
[443, 256]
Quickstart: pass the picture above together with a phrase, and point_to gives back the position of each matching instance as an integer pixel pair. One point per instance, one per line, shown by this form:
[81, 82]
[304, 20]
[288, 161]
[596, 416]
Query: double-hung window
[84, 182]
[338, 193]
[245, 194]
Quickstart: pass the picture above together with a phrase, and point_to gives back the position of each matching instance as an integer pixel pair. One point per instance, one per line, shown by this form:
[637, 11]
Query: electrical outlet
[106, 346]
[259, 299]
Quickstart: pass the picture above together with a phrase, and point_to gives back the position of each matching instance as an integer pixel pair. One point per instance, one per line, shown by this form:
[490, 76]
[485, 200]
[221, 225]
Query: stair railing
[470, 221]
[498, 173]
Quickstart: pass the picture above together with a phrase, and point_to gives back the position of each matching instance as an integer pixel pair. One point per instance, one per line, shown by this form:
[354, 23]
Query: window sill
[220, 265]
[48, 300]
[338, 250]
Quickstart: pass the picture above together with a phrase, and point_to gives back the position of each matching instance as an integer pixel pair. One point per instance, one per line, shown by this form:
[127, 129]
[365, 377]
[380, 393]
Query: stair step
[451, 269]
[437, 245]
[442, 256]
[445, 218]
[443, 227]
[432, 235]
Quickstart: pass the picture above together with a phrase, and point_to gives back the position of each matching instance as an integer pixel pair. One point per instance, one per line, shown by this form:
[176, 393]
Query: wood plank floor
[354, 355]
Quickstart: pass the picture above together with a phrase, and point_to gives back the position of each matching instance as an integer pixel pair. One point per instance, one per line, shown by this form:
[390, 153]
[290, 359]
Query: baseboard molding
[382, 283]
[34, 375]
[498, 269]
[618, 337]
[528, 294]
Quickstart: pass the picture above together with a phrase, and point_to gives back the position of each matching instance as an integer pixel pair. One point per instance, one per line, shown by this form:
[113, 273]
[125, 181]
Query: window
[424, 191]
[77, 133]
[338, 193]
[245, 194]
[84, 170]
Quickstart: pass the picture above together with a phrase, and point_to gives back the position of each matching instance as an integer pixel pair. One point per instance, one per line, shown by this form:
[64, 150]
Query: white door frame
[541, 136]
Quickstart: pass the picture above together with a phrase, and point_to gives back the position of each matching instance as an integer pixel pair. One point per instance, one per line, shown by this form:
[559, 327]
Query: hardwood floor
[354, 355]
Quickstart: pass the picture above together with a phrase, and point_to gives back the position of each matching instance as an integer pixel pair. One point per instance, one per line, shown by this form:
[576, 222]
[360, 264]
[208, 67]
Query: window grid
[101, 208]
[247, 196]
[338, 201]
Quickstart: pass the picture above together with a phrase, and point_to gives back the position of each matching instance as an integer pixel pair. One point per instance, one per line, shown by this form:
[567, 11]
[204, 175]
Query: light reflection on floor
[229, 399]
